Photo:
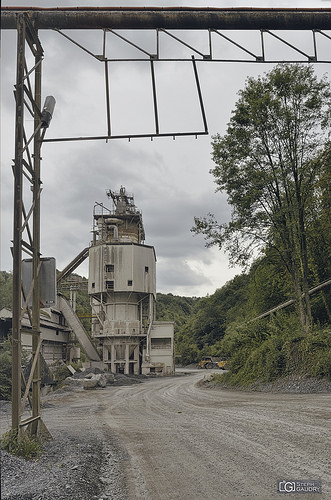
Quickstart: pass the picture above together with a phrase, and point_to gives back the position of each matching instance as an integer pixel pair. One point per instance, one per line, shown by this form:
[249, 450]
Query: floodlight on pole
[47, 111]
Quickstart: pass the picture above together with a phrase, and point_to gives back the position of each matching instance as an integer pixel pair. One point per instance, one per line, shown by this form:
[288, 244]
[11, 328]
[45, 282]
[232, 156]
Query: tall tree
[269, 163]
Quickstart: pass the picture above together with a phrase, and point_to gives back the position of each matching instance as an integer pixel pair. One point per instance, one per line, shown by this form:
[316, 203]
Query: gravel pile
[300, 384]
[69, 469]
[296, 384]
[72, 466]
[77, 379]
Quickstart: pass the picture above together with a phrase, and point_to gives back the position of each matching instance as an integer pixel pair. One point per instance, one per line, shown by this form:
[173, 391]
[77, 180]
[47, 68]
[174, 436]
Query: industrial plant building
[122, 288]
[125, 337]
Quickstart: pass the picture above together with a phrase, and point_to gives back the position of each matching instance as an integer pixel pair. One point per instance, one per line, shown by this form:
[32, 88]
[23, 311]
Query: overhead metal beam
[169, 18]
[77, 261]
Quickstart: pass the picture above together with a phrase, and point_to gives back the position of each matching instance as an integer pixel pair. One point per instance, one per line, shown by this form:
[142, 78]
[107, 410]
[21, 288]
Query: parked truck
[208, 362]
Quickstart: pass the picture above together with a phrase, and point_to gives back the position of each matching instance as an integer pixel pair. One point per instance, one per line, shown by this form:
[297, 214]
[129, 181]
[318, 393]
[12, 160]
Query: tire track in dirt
[190, 443]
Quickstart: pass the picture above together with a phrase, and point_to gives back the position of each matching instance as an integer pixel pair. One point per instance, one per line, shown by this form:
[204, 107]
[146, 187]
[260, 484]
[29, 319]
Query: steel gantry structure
[111, 21]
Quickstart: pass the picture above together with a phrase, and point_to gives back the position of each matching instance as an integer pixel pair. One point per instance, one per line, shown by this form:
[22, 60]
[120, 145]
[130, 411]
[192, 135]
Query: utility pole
[17, 232]
[36, 340]
[26, 239]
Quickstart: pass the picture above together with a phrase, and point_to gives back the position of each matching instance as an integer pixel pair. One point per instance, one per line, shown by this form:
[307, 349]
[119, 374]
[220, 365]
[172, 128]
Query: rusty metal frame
[26, 170]
[150, 59]
[153, 57]
[262, 57]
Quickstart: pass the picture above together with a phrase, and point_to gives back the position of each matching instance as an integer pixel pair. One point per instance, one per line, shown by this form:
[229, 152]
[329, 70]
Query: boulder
[102, 382]
[91, 381]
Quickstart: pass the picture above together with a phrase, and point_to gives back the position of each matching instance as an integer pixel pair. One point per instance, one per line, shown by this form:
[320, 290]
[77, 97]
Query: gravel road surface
[169, 439]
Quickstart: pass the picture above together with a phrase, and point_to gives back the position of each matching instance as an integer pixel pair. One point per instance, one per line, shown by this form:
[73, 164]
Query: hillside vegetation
[274, 164]
[223, 325]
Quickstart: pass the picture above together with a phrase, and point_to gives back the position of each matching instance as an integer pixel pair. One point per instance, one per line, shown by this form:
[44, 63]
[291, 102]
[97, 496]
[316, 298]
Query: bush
[189, 354]
[5, 374]
[265, 363]
[275, 348]
[60, 373]
[21, 444]
[6, 369]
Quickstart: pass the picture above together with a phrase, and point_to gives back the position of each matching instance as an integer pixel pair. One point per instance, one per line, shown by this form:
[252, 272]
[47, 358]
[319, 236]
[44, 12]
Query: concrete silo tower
[122, 288]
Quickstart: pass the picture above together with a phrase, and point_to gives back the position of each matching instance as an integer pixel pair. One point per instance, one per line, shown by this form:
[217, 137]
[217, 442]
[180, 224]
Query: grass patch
[21, 444]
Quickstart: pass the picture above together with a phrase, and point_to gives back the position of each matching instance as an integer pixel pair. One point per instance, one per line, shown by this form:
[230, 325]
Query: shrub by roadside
[265, 352]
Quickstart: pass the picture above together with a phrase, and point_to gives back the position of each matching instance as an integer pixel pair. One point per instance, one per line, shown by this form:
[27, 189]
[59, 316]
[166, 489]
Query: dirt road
[186, 443]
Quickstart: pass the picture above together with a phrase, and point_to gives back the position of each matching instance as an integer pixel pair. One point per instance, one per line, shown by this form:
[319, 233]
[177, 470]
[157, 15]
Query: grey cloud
[177, 274]
[169, 179]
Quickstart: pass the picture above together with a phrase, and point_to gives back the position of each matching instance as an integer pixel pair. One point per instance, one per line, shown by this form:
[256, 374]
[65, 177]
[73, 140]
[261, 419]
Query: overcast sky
[169, 178]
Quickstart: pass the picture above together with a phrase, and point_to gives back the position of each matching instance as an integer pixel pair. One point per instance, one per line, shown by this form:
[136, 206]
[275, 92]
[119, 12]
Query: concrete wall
[161, 360]
[124, 267]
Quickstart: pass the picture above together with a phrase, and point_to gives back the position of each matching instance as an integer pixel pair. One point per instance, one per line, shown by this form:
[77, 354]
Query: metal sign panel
[47, 281]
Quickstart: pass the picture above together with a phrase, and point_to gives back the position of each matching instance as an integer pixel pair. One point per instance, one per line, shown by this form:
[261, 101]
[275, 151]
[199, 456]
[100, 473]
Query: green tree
[209, 319]
[5, 370]
[269, 163]
[6, 290]
[171, 307]
[269, 284]
[319, 240]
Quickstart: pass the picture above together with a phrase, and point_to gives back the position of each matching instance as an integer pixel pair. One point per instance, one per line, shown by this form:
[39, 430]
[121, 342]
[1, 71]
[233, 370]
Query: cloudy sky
[169, 178]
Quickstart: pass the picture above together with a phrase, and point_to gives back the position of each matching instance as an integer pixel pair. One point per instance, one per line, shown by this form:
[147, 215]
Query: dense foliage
[5, 370]
[273, 163]
[270, 349]
[225, 325]
[171, 307]
[6, 290]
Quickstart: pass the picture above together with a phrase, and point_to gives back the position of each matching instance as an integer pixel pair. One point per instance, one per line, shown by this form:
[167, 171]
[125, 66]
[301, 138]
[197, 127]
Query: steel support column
[17, 230]
[36, 187]
[26, 239]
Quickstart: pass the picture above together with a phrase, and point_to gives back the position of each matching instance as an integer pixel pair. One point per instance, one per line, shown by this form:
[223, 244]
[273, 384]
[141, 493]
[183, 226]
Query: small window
[146, 269]
[129, 282]
[110, 285]
[161, 343]
[93, 285]
[109, 268]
